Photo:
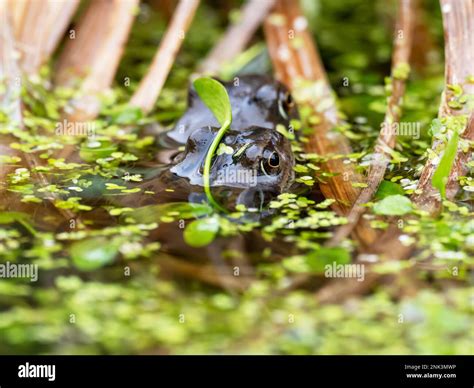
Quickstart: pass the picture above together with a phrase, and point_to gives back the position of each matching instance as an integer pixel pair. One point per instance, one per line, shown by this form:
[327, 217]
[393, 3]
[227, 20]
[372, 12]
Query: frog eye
[273, 160]
[269, 165]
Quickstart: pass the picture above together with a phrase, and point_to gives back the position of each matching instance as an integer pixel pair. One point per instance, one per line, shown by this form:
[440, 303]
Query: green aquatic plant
[201, 232]
[393, 205]
[94, 253]
[215, 97]
[440, 177]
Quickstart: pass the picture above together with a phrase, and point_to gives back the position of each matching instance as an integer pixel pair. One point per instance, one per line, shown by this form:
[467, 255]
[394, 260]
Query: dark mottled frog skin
[258, 162]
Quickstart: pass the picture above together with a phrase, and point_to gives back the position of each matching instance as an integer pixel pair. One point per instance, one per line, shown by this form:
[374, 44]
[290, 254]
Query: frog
[254, 162]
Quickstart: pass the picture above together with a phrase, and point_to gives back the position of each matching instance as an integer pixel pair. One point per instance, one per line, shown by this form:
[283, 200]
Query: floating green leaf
[93, 253]
[224, 149]
[440, 177]
[96, 149]
[388, 188]
[201, 232]
[317, 260]
[215, 97]
[393, 205]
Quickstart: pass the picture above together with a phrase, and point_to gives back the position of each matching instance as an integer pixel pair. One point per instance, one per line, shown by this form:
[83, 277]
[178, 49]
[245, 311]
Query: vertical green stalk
[207, 165]
[215, 97]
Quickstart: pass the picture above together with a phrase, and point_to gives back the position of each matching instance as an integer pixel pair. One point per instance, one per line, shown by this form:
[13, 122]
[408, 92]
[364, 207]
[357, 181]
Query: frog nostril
[229, 140]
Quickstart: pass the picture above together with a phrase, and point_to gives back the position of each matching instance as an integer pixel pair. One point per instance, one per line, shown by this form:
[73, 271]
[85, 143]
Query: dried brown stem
[458, 23]
[92, 53]
[423, 40]
[294, 63]
[387, 137]
[10, 73]
[237, 35]
[9, 70]
[38, 28]
[150, 86]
